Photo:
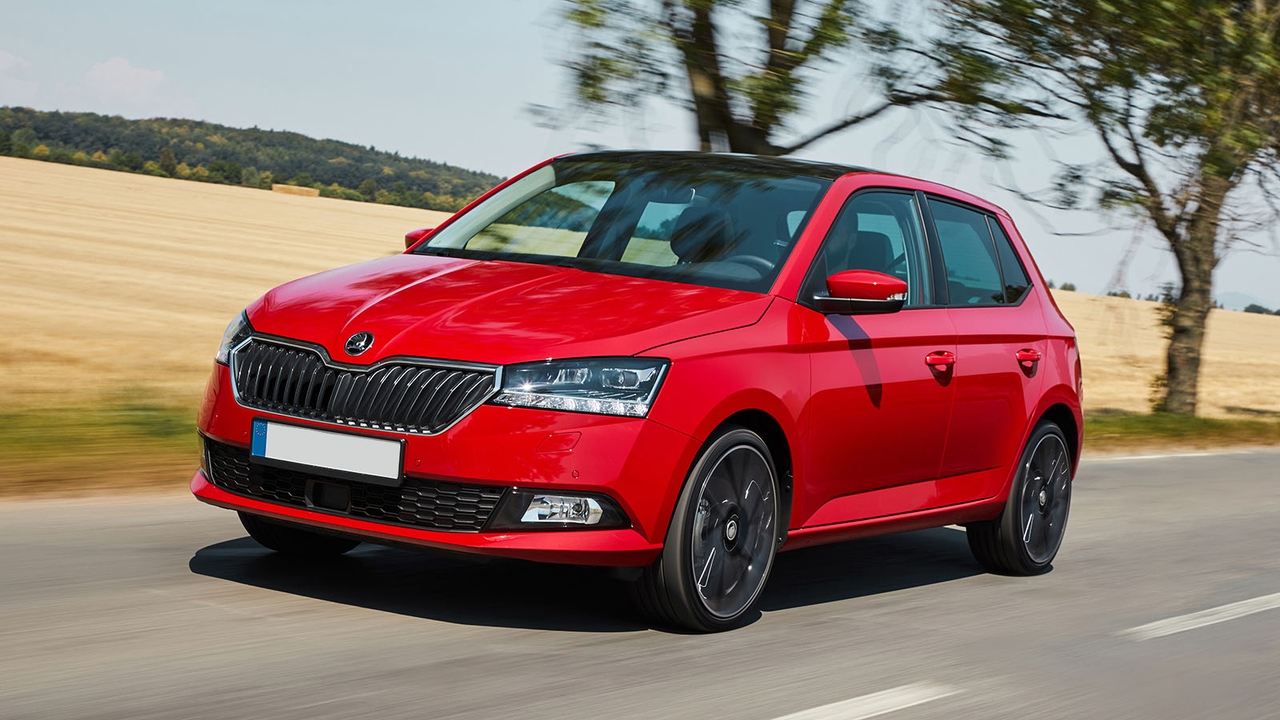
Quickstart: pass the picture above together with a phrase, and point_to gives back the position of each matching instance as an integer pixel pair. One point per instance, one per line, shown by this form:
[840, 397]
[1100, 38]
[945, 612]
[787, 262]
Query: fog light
[562, 509]
[525, 509]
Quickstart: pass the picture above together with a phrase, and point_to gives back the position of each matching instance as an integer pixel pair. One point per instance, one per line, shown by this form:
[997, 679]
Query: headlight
[604, 386]
[237, 331]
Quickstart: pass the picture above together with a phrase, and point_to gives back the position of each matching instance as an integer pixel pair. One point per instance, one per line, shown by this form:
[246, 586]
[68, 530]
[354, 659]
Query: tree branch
[838, 126]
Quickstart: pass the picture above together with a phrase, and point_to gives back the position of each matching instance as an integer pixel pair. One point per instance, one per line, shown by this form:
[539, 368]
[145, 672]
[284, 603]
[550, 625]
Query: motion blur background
[137, 217]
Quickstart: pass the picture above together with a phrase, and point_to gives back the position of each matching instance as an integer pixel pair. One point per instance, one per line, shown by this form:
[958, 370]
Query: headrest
[871, 251]
[701, 233]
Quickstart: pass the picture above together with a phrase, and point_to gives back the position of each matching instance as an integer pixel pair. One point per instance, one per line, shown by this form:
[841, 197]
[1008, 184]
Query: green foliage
[1118, 429]
[1068, 286]
[225, 171]
[1184, 97]
[25, 136]
[1258, 309]
[1120, 294]
[168, 162]
[369, 188]
[6, 142]
[252, 157]
[131, 161]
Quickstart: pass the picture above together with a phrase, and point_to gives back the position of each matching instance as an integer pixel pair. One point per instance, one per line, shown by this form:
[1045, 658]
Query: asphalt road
[160, 607]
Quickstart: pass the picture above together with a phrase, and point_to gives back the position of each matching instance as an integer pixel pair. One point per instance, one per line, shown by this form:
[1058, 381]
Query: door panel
[879, 413]
[1000, 332]
[995, 392]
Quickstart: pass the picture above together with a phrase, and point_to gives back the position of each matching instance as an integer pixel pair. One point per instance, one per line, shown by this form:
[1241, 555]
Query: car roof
[779, 165]
[811, 168]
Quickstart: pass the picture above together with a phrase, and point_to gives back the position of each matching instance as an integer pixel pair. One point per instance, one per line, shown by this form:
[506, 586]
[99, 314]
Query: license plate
[338, 454]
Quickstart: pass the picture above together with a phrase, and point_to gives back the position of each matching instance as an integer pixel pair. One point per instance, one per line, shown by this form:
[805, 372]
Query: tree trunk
[718, 128]
[1197, 258]
[1182, 369]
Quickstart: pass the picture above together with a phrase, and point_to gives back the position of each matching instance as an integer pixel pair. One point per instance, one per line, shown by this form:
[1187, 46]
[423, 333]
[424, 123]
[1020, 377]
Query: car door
[1000, 335]
[879, 411]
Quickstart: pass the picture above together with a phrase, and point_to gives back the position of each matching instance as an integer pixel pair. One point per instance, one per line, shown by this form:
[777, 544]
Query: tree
[225, 171]
[131, 161]
[168, 162]
[368, 188]
[6, 143]
[742, 88]
[1183, 97]
[1258, 309]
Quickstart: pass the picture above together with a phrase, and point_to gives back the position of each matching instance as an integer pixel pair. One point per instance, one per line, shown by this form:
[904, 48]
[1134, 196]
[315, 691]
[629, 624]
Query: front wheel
[1026, 537]
[722, 540]
[294, 541]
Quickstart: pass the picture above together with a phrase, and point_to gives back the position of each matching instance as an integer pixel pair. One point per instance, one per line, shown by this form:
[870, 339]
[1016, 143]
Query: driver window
[878, 231]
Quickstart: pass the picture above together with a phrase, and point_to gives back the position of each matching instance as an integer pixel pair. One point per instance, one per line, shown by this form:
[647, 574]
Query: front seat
[701, 234]
[871, 251]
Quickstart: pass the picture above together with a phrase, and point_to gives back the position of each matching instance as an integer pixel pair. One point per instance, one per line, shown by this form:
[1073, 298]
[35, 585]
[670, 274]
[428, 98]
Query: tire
[1026, 537]
[294, 541]
[728, 513]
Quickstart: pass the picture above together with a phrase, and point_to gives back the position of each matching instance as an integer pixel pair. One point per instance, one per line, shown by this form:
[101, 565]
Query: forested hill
[207, 152]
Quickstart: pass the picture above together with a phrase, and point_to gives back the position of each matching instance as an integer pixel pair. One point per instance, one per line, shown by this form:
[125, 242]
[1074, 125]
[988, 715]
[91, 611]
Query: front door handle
[940, 360]
[1028, 357]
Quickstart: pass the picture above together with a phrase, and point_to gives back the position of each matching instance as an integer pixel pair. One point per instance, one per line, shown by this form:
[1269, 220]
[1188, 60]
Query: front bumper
[620, 547]
[637, 463]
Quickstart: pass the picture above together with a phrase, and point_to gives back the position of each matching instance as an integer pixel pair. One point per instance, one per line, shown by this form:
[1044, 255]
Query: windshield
[722, 224]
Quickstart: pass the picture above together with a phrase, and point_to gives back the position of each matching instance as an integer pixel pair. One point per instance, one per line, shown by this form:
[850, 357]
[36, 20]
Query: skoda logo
[359, 342]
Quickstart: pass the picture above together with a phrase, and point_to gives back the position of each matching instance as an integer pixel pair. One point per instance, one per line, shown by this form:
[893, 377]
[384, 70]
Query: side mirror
[862, 292]
[412, 237]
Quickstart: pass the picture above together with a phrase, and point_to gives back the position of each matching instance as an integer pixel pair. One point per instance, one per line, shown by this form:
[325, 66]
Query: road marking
[1167, 456]
[1212, 616]
[876, 704]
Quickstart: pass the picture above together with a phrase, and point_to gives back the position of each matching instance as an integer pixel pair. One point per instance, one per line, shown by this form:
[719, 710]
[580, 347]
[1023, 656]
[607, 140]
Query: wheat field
[122, 284]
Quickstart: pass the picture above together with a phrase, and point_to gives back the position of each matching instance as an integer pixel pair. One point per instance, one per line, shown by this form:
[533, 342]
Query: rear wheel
[722, 540]
[1026, 537]
[294, 541]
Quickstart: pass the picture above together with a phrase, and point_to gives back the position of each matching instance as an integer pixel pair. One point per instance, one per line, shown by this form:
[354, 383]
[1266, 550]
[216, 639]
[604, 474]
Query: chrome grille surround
[400, 394]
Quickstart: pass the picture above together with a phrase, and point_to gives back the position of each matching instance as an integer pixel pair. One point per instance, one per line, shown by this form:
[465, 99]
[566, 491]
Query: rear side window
[973, 273]
[1015, 276]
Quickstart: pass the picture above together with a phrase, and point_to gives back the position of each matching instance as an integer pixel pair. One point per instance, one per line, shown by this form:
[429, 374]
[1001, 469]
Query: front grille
[416, 503]
[409, 397]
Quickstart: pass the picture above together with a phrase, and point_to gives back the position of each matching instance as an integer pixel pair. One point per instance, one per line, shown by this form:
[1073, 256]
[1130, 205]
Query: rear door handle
[940, 360]
[1027, 356]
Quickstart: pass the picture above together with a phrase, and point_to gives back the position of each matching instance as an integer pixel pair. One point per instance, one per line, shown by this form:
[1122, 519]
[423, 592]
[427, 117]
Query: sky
[454, 81]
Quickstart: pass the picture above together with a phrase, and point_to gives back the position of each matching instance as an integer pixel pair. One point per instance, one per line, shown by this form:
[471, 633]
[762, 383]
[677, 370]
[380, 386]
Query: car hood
[494, 312]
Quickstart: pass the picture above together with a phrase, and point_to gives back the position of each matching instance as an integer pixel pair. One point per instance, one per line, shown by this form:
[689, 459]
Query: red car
[673, 362]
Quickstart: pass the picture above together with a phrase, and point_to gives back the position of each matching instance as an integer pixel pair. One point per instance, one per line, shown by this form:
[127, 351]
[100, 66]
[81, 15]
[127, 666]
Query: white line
[875, 704]
[1212, 616]
[1166, 456]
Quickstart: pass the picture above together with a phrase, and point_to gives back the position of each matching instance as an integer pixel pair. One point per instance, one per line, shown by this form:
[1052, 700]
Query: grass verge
[1113, 430]
[116, 445]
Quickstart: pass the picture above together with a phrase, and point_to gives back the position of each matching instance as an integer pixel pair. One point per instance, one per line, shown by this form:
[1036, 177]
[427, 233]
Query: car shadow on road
[512, 593]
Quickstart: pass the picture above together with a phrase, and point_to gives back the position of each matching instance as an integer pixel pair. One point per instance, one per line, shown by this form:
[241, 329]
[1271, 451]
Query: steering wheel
[755, 262]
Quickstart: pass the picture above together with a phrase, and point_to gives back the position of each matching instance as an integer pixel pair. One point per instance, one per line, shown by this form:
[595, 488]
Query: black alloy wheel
[722, 540]
[1026, 537]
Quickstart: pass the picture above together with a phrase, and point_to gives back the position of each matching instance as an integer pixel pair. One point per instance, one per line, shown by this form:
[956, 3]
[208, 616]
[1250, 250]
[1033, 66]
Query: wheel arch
[775, 438]
[1064, 418]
